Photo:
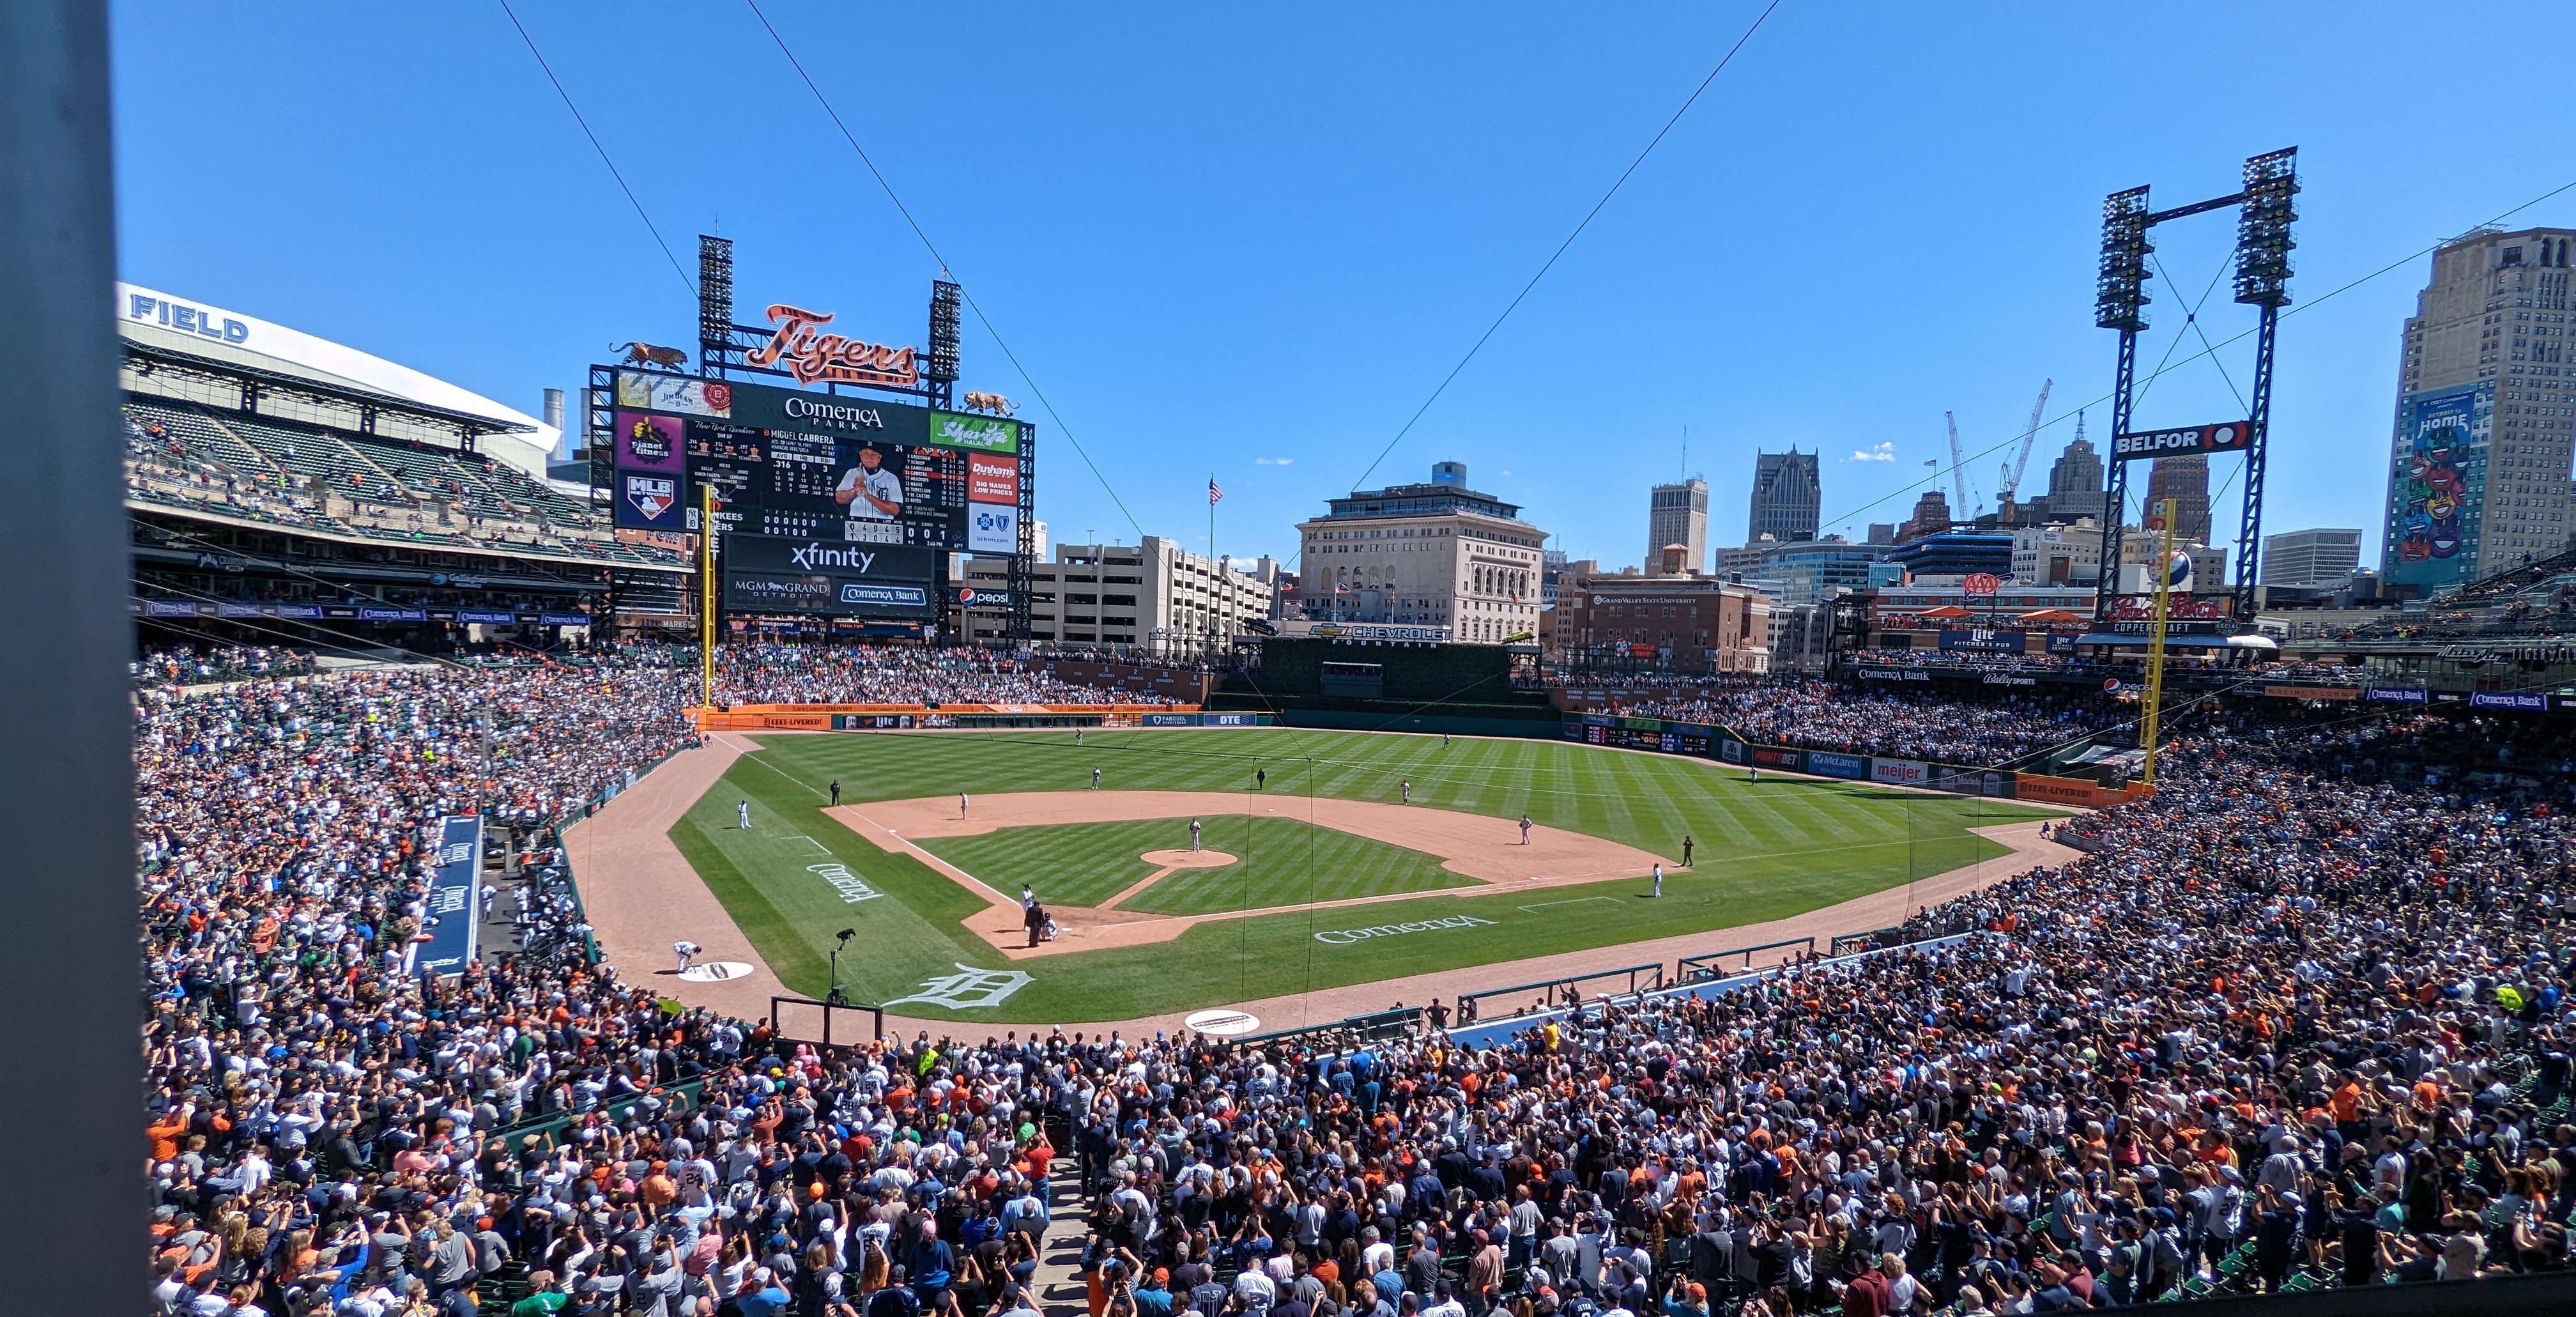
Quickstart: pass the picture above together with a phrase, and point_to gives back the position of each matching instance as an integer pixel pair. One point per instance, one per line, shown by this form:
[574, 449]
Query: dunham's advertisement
[2437, 491]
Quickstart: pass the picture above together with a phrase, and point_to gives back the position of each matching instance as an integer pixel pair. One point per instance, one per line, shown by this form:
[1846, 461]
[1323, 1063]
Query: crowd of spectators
[2297, 1020]
[1817, 715]
[773, 672]
[187, 666]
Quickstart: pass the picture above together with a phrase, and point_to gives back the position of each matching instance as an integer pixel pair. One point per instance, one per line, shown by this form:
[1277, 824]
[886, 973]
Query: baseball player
[687, 951]
[1095, 779]
[1408, 791]
[742, 815]
[1525, 827]
[963, 800]
[1659, 878]
[1194, 836]
[868, 490]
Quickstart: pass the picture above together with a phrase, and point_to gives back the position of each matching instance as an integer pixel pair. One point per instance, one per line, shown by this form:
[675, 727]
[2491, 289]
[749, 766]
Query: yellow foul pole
[2166, 509]
[707, 596]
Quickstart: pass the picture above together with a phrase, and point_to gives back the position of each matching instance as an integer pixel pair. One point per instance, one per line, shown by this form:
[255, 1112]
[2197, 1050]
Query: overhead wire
[1561, 248]
[595, 145]
[964, 293]
[2210, 350]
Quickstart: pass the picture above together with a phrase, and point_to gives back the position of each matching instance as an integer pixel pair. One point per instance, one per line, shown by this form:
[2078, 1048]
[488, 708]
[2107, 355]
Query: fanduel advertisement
[787, 574]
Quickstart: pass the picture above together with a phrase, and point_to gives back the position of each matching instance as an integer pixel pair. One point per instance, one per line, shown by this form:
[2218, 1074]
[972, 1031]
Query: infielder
[687, 951]
[1194, 836]
[1659, 878]
[1525, 827]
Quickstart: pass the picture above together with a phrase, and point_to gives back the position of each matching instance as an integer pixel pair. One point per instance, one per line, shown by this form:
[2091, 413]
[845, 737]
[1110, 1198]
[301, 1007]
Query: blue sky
[1250, 244]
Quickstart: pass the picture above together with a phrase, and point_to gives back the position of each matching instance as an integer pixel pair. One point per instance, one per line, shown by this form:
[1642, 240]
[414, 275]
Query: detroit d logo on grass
[967, 989]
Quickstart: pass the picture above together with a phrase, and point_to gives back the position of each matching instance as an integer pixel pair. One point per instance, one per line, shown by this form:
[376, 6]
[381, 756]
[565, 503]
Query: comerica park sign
[2217, 437]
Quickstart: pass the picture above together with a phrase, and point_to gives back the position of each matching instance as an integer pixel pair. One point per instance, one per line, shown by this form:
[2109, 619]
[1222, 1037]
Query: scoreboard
[814, 466]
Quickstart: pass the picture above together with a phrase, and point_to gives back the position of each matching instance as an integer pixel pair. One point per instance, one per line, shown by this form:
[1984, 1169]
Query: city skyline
[1706, 297]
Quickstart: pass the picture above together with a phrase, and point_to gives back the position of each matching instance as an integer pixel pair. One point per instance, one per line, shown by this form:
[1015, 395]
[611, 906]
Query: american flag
[1214, 494]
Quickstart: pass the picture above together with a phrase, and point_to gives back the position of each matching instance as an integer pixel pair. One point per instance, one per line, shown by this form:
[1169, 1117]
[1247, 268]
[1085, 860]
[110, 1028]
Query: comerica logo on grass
[1342, 937]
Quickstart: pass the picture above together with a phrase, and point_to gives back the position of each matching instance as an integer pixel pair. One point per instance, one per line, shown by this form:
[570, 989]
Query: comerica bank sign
[186, 319]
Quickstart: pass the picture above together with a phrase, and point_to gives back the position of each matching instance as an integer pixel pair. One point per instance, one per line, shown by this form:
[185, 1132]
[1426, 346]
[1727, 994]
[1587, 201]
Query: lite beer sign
[801, 349]
[2222, 437]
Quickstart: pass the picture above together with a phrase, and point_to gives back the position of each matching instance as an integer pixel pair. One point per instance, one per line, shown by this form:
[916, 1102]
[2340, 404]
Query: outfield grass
[1766, 850]
[1277, 862]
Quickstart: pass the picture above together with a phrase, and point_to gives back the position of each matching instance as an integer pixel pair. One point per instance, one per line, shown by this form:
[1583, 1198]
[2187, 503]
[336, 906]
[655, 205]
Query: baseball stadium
[700, 847]
[1295, 876]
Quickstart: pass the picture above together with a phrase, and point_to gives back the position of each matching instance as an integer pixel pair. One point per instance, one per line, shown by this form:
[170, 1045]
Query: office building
[2185, 480]
[2074, 484]
[1931, 517]
[1434, 555]
[2310, 557]
[1155, 598]
[2138, 553]
[1814, 571]
[1692, 624]
[1788, 497]
[2486, 413]
[2057, 555]
[1678, 514]
[1955, 554]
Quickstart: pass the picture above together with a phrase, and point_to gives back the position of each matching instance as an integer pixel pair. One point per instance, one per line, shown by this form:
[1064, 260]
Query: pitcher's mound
[1187, 859]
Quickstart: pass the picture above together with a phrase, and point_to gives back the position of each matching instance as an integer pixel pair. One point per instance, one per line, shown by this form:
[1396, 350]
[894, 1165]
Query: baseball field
[1322, 859]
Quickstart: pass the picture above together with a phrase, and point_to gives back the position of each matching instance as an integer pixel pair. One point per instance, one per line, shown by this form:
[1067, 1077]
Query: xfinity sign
[815, 555]
[2221, 437]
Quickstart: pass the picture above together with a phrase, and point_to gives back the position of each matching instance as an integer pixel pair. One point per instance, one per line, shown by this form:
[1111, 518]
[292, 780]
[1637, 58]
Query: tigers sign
[801, 348]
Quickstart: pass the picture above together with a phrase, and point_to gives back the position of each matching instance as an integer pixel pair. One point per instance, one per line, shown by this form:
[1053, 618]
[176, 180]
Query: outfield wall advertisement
[1703, 741]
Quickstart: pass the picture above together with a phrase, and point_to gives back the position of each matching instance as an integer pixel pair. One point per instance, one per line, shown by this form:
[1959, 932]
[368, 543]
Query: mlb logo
[652, 495]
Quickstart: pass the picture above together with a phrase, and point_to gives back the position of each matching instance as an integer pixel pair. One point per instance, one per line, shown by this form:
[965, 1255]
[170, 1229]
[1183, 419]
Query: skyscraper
[2477, 476]
[1788, 496]
[2075, 480]
[1678, 514]
[2185, 480]
[2310, 557]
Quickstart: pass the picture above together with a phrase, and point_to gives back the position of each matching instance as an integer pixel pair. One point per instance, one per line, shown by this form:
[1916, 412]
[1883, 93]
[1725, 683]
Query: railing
[680, 1097]
[1694, 969]
[1375, 1027]
[1845, 944]
[1557, 992]
[812, 1021]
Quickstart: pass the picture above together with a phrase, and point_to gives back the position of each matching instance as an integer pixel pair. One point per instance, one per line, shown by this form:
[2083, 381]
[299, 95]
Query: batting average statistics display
[814, 466]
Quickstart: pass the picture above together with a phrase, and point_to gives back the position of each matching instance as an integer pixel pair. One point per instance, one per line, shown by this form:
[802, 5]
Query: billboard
[2221, 437]
[803, 465]
[1981, 641]
[1900, 772]
[779, 574]
[2437, 486]
[1823, 764]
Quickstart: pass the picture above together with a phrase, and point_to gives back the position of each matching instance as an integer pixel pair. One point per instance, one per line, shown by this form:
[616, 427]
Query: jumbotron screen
[814, 466]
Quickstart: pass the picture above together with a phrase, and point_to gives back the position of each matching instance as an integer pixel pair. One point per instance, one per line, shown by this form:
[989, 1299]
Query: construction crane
[1958, 471]
[2012, 474]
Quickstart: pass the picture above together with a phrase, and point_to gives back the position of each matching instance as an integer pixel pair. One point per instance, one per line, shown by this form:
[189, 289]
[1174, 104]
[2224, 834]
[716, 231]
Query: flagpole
[1207, 640]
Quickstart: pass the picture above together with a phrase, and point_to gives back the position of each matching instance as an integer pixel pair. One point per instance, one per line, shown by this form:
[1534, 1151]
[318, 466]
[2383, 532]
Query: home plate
[1221, 1023]
[716, 971]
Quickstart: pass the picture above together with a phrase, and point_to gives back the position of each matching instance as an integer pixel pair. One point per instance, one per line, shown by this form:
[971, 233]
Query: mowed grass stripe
[1763, 854]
